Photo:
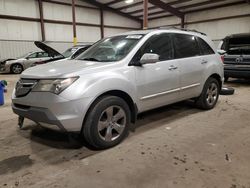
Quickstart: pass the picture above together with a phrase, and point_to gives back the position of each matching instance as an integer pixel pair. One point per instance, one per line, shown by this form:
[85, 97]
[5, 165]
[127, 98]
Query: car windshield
[23, 56]
[69, 52]
[111, 49]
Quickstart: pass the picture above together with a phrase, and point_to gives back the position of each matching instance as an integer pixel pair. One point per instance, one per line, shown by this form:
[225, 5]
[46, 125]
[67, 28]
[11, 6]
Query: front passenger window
[32, 56]
[158, 44]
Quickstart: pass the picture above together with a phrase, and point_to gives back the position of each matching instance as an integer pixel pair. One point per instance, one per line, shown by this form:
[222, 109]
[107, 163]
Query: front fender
[94, 85]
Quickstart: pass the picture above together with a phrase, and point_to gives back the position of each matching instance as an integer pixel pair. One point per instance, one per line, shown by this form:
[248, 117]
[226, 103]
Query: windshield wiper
[90, 59]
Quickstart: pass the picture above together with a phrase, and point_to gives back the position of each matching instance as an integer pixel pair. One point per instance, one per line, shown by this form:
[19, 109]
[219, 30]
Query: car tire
[107, 122]
[226, 78]
[16, 68]
[227, 91]
[210, 94]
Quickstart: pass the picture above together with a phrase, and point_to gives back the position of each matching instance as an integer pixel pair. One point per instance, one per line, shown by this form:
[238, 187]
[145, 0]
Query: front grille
[24, 86]
[237, 60]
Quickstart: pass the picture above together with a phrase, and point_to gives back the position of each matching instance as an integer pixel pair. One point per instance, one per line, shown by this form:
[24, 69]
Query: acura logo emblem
[239, 59]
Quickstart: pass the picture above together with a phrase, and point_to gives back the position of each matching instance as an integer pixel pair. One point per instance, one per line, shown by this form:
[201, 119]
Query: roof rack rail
[182, 29]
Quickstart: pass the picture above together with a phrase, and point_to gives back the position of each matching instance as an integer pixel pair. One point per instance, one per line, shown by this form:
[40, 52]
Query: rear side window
[158, 44]
[205, 48]
[45, 54]
[42, 54]
[185, 46]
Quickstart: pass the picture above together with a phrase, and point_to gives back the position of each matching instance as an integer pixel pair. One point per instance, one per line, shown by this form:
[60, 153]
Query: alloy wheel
[17, 69]
[212, 94]
[111, 123]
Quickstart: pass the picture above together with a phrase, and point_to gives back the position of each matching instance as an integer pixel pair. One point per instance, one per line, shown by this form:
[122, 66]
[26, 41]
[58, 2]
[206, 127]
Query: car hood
[7, 59]
[16, 61]
[51, 51]
[62, 69]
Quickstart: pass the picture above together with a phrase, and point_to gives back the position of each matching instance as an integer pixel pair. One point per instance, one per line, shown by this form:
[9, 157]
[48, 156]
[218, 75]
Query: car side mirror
[149, 58]
[27, 58]
[221, 52]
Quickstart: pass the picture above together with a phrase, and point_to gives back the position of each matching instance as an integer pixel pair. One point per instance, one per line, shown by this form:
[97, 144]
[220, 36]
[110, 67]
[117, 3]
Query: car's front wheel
[107, 122]
[17, 68]
[210, 94]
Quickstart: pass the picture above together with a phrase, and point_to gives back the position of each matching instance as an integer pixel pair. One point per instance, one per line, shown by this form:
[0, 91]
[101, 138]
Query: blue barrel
[1, 93]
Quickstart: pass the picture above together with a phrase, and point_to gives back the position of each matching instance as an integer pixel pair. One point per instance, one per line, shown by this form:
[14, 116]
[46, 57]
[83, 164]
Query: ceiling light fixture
[129, 1]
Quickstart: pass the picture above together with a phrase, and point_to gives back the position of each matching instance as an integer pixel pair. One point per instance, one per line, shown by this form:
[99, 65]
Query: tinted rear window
[185, 46]
[239, 46]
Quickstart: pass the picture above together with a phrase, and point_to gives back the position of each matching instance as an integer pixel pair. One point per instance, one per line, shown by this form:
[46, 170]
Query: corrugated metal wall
[217, 30]
[14, 49]
[17, 37]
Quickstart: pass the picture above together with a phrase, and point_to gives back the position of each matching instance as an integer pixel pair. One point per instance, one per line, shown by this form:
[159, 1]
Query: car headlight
[54, 86]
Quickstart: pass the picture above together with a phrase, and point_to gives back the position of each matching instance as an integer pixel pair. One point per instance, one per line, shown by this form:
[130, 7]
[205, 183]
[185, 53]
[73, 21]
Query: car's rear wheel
[107, 122]
[17, 68]
[210, 94]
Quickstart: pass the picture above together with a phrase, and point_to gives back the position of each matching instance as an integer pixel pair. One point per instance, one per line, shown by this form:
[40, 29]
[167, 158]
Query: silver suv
[100, 93]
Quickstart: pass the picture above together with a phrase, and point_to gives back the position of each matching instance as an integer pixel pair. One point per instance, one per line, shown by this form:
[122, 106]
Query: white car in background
[75, 51]
[69, 54]
[19, 64]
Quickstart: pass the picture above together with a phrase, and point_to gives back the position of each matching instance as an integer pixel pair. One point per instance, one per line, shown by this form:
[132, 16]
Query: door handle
[203, 62]
[172, 67]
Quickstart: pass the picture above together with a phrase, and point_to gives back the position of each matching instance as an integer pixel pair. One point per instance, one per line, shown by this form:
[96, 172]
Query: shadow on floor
[238, 82]
[146, 120]
[56, 147]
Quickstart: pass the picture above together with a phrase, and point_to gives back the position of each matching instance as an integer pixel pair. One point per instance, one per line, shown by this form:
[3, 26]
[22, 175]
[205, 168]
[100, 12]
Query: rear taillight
[222, 58]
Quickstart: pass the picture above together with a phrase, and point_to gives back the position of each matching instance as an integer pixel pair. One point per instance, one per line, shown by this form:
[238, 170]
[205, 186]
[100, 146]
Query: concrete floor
[175, 146]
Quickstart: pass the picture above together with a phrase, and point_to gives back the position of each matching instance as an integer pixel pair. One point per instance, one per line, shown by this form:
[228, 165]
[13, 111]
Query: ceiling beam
[155, 13]
[203, 9]
[188, 6]
[201, 4]
[105, 7]
[141, 10]
[130, 5]
[156, 7]
[216, 6]
[68, 4]
[167, 7]
[113, 2]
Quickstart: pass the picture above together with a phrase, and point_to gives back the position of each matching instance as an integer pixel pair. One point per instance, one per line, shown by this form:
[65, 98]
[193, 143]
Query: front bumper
[4, 68]
[52, 111]
[42, 116]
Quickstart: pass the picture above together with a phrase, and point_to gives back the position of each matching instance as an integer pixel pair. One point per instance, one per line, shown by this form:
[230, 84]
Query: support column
[74, 22]
[40, 3]
[183, 21]
[145, 14]
[102, 23]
